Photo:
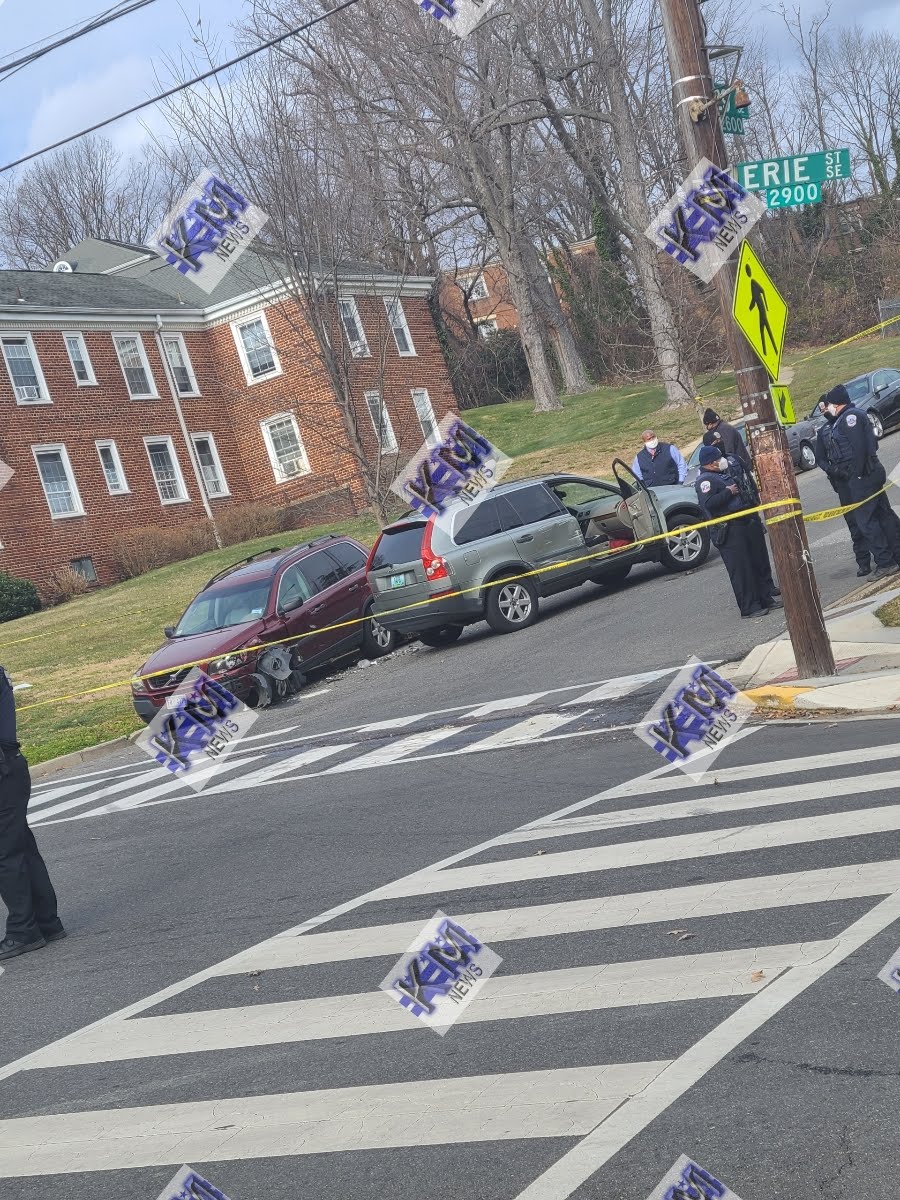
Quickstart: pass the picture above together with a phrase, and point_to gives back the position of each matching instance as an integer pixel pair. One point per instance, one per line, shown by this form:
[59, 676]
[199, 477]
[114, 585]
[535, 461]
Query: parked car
[878, 395]
[544, 524]
[270, 596]
[801, 439]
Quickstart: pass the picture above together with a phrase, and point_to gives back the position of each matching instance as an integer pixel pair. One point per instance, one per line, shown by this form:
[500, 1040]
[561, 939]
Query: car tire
[807, 457]
[442, 635]
[511, 604]
[376, 640]
[686, 552]
[877, 424]
[612, 577]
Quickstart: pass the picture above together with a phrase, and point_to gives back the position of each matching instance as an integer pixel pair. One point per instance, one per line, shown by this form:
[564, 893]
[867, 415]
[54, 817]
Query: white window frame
[59, 448]
[359, 348]
[479, 279]
[393, 308]
[91, 380]
[153, 394]
[110, 445]
[277, 470]
[217, 463]
[35, 362]
[488, 323]
[189, 366]
[184, 498]
[386, 432]
[433, 439]
[236, 327]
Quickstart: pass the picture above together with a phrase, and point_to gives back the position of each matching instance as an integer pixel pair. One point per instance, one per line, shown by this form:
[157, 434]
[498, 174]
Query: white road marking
[108, 789]
[270, 772]
[615, 689]
[525, 1104]
[503, 998]
[678, 848]
[494, 706]
[561, 1179]
[394, 751]
[581, 916]
[523, 731]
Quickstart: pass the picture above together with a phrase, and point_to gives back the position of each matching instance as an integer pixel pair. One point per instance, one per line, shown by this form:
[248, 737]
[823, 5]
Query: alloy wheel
[514, 603]
[685, 547]
[380, 635]
[876, 423]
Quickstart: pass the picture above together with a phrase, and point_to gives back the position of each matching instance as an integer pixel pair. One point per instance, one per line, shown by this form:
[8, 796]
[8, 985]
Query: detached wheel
[686, 550]
[808, 456]
[443, 635]
[512, 605]
[877, 424]
[376, 640]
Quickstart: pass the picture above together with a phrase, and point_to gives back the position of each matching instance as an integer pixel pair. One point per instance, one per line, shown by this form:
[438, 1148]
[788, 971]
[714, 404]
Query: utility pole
[692, 80]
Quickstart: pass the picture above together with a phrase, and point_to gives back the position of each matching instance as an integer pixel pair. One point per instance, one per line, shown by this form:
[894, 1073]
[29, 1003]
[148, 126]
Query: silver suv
[429, 575]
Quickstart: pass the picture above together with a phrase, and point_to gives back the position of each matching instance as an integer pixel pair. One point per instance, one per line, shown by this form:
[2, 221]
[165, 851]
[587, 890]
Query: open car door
[646, 517]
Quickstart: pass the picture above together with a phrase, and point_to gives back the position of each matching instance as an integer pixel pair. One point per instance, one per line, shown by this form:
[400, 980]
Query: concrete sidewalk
[866, 654]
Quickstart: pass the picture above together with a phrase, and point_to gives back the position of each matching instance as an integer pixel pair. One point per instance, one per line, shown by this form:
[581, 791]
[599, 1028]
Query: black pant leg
[860, 545]
[736, 557]
[16, 858]
[868, 522]
[890, 525]
[759, 562]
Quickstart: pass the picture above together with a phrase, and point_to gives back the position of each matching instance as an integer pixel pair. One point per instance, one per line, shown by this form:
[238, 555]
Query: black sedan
[878, 395]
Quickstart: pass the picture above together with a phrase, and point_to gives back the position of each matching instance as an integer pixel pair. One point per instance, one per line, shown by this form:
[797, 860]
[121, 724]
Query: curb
[51, 765]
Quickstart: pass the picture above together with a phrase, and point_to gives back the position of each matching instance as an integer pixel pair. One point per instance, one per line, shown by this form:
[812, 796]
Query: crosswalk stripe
[522, 731]
[504, 997]
[704, 806]
[582, 916]
[273, 769]
[615, 689]
[678, 848]
[109, 789]
[493, 706]
[525, 1104]
[395, 751]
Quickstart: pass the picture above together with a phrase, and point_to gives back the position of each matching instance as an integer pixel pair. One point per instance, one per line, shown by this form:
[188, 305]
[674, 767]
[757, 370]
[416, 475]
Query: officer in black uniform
[25, 886]
[842, 488]
[742, 476]
[853, 456]
[741, 542]
[732, 441]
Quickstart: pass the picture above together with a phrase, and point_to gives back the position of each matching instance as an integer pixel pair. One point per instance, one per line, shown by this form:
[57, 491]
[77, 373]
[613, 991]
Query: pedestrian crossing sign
[784, 405]
[760, 310]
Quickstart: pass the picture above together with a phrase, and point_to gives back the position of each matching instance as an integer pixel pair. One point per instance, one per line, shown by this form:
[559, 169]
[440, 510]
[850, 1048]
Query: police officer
[25, 886]
[741, 541]
[658, 462]
[853, 458]
[842, 487]
[744, 478]
[732, 442]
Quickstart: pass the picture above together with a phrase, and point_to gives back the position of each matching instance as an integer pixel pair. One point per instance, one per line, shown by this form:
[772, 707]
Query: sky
[116, 66]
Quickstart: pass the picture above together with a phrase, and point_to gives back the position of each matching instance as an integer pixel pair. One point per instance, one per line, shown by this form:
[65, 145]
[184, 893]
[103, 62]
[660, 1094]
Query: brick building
[131, 396]
[486, 291]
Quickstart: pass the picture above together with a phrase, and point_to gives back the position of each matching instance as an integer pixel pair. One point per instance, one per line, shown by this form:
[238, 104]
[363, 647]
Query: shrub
[63, 583]
[18, 597]
[247, 521]
[135, 551]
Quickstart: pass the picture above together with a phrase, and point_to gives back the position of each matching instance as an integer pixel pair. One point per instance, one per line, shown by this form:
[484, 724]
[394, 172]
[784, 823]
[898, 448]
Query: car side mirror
[169, 631]
[290, 606]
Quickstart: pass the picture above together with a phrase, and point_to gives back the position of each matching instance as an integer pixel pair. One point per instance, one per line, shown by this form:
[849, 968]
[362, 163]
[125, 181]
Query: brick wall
[497, 304]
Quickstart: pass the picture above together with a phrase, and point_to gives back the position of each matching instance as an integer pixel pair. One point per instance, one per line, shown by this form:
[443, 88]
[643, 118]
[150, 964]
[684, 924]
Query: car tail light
[435, 566]
[371, 557]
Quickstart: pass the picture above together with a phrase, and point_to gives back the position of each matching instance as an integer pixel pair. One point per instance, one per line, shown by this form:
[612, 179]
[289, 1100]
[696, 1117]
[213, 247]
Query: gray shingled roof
[51, 289]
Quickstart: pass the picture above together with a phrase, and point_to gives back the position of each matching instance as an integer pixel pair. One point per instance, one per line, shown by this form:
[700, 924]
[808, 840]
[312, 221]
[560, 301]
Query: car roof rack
[242, 562]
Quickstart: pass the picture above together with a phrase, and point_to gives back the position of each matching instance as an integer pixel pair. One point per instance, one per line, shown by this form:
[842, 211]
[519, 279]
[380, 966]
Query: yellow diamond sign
[759, 309]
[784, 405]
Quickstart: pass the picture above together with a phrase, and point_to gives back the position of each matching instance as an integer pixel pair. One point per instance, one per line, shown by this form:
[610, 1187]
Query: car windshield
[858, 389]
[578, 493]
[224, 607]
[400, 545]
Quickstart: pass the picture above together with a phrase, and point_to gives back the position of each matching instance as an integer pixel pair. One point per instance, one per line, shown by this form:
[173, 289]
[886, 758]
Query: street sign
[733, 118]
[794, 180]
[784, 405]
[759, 309]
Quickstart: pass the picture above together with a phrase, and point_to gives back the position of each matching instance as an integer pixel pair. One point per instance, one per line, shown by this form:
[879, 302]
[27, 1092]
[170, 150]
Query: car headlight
[227, 663]
[138, 685]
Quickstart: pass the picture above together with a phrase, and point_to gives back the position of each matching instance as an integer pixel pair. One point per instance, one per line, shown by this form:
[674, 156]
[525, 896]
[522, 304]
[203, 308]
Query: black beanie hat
[711, 437]
[711, 417]
[709, 455]
[838, 395]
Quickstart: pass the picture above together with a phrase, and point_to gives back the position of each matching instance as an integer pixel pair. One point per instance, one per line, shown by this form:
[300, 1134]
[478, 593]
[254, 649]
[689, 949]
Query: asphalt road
[572, 1080]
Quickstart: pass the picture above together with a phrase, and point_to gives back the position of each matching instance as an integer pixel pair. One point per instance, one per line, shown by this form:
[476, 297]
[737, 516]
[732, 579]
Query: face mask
[723, 464]
[652, 444]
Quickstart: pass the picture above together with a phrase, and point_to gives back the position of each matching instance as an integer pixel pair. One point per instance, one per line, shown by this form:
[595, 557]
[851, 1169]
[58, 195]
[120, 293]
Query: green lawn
[102, 638]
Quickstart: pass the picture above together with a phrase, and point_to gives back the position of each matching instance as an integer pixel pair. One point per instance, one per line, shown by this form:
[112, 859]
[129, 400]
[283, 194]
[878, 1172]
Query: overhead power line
[72, 33]
[181, 86]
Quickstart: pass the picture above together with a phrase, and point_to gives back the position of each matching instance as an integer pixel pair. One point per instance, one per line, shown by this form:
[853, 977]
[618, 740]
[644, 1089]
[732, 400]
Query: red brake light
[372, 552]
[435, 566]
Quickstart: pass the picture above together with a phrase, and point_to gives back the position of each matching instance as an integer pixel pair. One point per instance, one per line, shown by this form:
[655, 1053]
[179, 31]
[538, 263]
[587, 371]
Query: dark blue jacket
[8, 742]
[853, 449]
[657, 469]
[715, 500]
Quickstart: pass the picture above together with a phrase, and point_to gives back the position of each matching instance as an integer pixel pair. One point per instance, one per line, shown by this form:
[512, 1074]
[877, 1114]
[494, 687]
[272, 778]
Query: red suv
[274, 595]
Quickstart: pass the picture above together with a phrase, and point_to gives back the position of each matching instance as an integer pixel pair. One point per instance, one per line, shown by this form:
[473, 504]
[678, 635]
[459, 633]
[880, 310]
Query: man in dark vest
[658, 462]
[732, 442]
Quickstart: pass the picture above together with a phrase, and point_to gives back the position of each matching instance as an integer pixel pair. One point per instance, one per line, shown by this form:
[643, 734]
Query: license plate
[174, 701]
[398, 581]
